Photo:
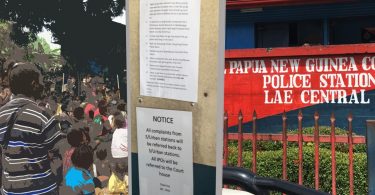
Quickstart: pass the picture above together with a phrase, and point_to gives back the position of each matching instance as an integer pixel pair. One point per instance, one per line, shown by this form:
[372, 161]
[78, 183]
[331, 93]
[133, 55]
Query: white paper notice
[165, 152]
[169, 48]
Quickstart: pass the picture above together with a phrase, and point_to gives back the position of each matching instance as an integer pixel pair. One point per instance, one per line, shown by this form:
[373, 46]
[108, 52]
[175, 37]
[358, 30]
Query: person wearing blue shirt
[78, 179]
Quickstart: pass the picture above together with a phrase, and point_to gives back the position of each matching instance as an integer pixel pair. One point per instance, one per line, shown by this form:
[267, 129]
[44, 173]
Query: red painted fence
[300, 138]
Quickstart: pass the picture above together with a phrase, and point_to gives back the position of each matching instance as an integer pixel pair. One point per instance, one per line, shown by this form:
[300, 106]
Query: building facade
[292, 56]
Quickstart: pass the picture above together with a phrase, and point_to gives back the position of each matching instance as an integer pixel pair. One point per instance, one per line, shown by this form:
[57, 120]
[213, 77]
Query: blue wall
[304, 12]
[240, 29]
[239, 36]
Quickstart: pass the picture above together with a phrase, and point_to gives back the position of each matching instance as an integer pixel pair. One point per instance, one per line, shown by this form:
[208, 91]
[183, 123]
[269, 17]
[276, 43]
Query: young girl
[78, 179]
[118, 182]
[74, 137]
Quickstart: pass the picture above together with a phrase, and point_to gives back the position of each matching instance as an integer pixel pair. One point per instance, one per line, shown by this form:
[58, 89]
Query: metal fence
[349, 139]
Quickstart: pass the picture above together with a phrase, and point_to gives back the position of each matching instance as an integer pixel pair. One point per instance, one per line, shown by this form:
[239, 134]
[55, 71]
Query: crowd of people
[72, 141]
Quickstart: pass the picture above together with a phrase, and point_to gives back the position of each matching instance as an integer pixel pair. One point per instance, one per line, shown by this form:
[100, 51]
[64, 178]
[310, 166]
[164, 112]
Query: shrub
[326, 130]
[269, 163]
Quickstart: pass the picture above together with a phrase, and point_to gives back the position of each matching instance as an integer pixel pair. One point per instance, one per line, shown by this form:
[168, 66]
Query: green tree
[41, 53]
[7, 46]
[38, 52]
[79, 26]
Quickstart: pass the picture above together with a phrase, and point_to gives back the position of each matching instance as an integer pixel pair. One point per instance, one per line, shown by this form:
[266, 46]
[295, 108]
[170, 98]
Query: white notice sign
[165, 155]
[169, 48]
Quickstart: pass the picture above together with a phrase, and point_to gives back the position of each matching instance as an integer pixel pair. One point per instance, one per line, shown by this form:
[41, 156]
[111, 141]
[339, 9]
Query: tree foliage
[42, 54]
[7, 46]
[38, 52]
[78, 25]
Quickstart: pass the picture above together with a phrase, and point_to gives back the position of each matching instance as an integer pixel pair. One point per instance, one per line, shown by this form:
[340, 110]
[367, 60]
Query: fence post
[370, 141]
[225, 138]
[333, 149]
[240, 138]
[316, 151]
[350, 141]
[254, 142]
[284, 147]
[300, 150]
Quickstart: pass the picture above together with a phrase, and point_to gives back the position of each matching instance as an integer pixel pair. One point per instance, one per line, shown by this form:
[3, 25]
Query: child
[119, 145]
[101, 164]
[118, 182]
[75, 138]
[78, 179]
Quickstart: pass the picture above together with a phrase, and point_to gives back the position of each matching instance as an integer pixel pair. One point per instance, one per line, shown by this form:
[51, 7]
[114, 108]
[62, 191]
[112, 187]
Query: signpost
[175, 58]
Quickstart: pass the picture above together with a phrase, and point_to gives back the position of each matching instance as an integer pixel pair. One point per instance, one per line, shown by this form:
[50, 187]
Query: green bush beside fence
[269, 163]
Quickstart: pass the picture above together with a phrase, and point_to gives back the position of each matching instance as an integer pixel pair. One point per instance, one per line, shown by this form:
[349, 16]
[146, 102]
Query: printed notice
[165, 152]
[169, 48]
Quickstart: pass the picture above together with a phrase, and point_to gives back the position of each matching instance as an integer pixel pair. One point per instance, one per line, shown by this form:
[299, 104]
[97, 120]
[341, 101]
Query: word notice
[165, 151]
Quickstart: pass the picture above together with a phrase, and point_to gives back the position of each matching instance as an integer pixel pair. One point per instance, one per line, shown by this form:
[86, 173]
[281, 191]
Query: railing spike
[254, 115]
[284, 115]
[316, 115]
[350, 117]
[333, 117]
[240, 116]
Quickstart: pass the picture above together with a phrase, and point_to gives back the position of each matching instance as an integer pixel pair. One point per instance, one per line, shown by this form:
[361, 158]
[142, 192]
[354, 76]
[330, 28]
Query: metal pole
[316, 151]
[225, 162]
[333, 148]
[370, 141]
[300, 149]
[240, 138]
[118, 82]
[254, 142]
[284, 118]
[350, 141]
[62, 85]
[118, 87]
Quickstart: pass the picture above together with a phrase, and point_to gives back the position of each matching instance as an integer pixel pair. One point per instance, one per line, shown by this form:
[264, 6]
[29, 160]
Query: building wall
[241, 25]
[241, 39]
[240, 36]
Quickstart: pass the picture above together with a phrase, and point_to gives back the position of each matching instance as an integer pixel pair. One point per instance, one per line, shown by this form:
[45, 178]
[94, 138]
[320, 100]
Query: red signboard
[271, 85]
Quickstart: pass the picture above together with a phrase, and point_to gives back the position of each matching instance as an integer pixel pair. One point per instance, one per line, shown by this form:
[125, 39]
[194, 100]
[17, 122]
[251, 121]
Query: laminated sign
[165, 151]
[169, 48]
